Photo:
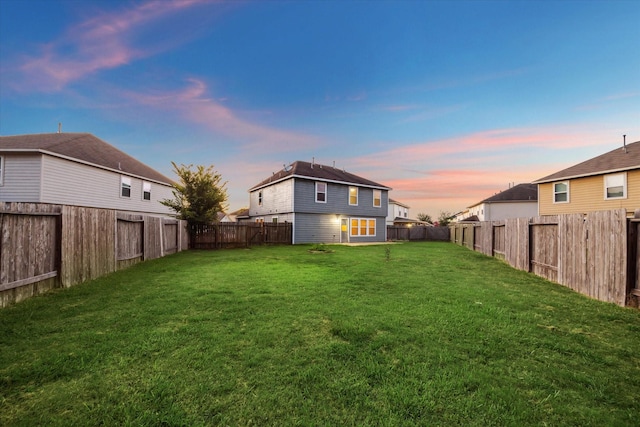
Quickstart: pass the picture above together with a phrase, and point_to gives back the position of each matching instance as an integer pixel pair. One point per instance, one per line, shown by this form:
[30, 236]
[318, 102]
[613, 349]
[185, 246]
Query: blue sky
[447, 102]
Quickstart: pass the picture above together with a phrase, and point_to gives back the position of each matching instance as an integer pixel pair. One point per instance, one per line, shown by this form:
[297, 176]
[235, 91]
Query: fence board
[517, 243]
[543, 241]
[587, 253]
[217, 236]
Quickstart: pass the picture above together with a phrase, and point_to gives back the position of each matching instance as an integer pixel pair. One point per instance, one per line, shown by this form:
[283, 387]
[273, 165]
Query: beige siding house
[609, 181]
[78, 169]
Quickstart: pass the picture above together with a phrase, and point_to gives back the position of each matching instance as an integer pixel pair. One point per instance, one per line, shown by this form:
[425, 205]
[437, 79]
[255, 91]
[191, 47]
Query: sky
[446, 102]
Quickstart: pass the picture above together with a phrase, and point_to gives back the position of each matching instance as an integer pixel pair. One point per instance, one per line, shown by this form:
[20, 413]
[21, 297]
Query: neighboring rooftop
[517, 193]
[398, 203]
[318, 172]
[618, 160]
[83, 147]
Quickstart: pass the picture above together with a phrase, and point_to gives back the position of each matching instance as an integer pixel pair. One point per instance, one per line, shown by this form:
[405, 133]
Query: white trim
[604, 172]
[357, 195]
[326, 188]
[1, 170]
[311, 178]
[554, 192]
[144, 184]
[624, 186]
[73, 159]
[374, 198]
[375, 226]
[125, 180]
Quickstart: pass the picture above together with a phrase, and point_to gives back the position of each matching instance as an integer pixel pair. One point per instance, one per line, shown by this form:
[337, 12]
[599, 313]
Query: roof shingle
[319, 172]
[619, 159]
[84, 147]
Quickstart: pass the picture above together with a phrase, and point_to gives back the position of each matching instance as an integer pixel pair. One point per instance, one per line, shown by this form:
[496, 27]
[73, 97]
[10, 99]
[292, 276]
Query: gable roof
[517, 193]
[397, 203]
[300, 169]
[617, 160]
[82, 147]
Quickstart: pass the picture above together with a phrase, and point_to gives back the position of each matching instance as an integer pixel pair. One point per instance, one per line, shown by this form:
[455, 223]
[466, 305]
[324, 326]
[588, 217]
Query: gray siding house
[78, 169]
[325, 204]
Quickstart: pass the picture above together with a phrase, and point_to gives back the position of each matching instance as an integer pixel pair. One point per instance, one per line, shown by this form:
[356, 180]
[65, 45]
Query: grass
[411, 334]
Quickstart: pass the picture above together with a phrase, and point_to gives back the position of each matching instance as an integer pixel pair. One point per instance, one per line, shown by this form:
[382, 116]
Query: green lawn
[391, 335]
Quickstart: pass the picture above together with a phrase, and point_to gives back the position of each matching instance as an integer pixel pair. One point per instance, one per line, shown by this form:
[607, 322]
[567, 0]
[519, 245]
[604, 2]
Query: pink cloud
[99, 43]
[194, 105]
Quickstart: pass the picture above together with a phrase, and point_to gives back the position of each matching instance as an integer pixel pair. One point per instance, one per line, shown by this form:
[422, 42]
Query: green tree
[445, 218]
[424, 217]
[199, 195]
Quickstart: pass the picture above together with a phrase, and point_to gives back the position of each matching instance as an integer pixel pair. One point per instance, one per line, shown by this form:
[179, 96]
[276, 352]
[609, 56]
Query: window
[274, 220]
[321, 192]
[363, 227]
[146, 191]
[1, 169]
[561, 192]
[377, 198]
[353, 196]
[615, 186]
[260, 198]
[125, 186]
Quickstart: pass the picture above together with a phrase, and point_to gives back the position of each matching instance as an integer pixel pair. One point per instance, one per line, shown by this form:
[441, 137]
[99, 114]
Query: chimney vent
[59, 127]
[624, 143]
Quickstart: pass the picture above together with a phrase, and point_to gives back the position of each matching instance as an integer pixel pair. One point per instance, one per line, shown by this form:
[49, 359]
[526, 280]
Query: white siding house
[325, 204]
[519, 201]
[78, 169]
[396, 210]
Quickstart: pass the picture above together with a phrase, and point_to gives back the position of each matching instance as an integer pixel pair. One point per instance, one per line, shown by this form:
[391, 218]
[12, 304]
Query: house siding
[21, 178]
[276, 200]
[587, 195]
[71, 183]
[316, 228]
[337, 200]
[503, 210]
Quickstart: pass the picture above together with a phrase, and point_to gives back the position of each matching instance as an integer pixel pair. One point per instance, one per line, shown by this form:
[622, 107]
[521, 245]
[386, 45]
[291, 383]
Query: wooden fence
[587, 253]
[225, 235]
[402, 232]
[50, 246]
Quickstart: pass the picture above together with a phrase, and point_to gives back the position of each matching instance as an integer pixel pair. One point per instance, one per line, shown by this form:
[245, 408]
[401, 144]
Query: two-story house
[325, 204]
[609, 181]
[518, 201]
[78, 169]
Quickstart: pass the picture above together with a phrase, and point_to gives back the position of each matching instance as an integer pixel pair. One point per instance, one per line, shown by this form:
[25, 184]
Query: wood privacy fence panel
[607, 256]
[29, 250]
[420, 233]
[218, 236]
[587, 253]
[498, 240]
[48, 246]
[543, 249]
[516, 251]
[171, 237]
[88, 244]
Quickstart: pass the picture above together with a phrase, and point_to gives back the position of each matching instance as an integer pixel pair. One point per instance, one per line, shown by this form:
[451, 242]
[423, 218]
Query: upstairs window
[260, 198]
[353, 196]
[561, 192]
[146, 191]
[321, 192]
[125, 186]
[377, 198]
[615, 186]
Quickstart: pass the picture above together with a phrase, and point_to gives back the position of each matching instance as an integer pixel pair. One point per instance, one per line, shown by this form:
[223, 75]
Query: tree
[424, 217]
[199, 195]
[445, 218]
